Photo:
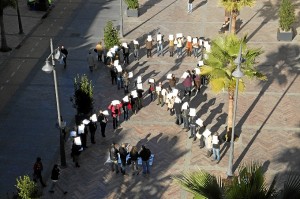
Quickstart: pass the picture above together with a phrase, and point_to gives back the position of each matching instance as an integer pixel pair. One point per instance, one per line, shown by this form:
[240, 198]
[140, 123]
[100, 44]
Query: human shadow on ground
[285, 71]
[198, 5]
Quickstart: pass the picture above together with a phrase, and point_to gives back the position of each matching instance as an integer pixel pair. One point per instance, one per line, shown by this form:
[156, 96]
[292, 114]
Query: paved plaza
[267, 120]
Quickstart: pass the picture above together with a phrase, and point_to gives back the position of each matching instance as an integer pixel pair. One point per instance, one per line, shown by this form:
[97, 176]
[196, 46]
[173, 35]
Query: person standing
[54, 177]
[172, 82]
[177, 109]
[126, 82]
[189, 46]
[145, 154]
[123, 154]
[216, 147]
[149, 46]
[185, 116]
[103, 121]
[113, 74]
[159, 94]
[195, 47]
[197, 81]
[37, 171]
[171, 47]
[115, 113]
[113, 152]
[187, 83]
[126, 51]
[134, 154]
[91, 61]
[152, 90]
[136, 49]
[159, 42]
[190, 6]
[126, 105]
[92, 129]
[65, 53]
[193, 127]
[179, 46]
[140, 98]
[119, 80]
[76, 150]
[99, 49]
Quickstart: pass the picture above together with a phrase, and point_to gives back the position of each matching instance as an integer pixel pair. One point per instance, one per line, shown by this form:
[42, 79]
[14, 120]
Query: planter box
[285, 36]
[132, 12]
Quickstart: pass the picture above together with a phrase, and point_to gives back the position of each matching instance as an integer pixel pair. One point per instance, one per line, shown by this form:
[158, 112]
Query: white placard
[116, 63]
[93, 118]
[199, 122]
[200, 41]
[116, 48]
[158, 88]
[130, 74]
[184, 75]
[124, 45]
[177, 100]
[163, 91]
[135, 42]
[133, 92]
[208, 49]
[192, 112]
[197, 71]
[215, 139]
[109, 54]
[85, 121]
[195, 40]
[169, 76]
[77, 141]
[200, 63]
[206, 44]
[171, 37]
[149, 38]
[189, 38]
[206, 133]
[105, 112]
[151, 80]
[126, 99]
[158, 38]
[139, 79]
[175, 92]
[73, 134]
[115, 102]
[139, 86]
[198, 135]
[119, 68]
[81, 129]
[178, 35]
[185, 106]
[205, 56]
[170, 95]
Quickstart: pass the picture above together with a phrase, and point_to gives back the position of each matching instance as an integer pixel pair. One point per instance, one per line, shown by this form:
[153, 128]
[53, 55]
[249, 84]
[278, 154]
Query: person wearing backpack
[37, 170]
[145, 154]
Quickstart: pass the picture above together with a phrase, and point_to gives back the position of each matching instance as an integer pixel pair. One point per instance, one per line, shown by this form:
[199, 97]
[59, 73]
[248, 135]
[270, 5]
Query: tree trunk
[230, 110]
[4, 47]
[233, 21]
[19, 18]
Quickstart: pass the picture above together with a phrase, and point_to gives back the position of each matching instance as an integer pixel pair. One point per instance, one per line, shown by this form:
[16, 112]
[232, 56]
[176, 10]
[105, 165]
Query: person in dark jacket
[123, 154]
[92, 129]
[216, 147]
[65, 53]
[37, 171]
[103, 121]
[177, 109]
[145, 154]
[76, 150]
[185, 116]
[113, 152]
[193, 127]
[54, 177]
[134, 154]
[113, 74]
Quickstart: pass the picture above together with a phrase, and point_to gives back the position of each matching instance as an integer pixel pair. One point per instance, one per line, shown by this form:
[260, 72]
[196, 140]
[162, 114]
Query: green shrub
[111, 35]
[27, 188]
[83, 94]
[286, 15]
[132, 4]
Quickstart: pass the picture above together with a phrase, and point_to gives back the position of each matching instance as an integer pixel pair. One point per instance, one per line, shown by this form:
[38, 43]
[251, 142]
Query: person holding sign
[152, 89]
[179, 46]
[171, 45]
[115, 113]
[136, 48]
[126, 107]
[193, 124]
[197, 81]
[189, 46]
[103, 121]
[158, 90]
[126, 82]
[185, 116]
[177, 108]
[187, 83]
[216, 147]
[149, 46]
[195, 47]
[160, 41]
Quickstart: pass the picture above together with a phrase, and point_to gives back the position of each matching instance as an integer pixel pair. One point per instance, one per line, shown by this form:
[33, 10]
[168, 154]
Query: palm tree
[4, 4]
[220, 64]
[250, 183]
[234, 7]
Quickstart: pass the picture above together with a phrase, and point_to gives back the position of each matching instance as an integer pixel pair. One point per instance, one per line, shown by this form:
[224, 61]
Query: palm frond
[201, 184]
[291, 189]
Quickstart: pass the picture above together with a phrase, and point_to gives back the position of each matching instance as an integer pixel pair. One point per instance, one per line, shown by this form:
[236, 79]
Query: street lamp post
[48, 68]
[237, 74]
[121, 21]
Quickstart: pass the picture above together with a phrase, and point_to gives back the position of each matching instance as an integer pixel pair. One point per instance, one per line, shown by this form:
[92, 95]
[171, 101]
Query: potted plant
[286, 19]
[132, 8]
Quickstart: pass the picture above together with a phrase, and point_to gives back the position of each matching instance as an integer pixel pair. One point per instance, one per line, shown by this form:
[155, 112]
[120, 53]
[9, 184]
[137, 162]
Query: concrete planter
[285, 36]
[132, 12]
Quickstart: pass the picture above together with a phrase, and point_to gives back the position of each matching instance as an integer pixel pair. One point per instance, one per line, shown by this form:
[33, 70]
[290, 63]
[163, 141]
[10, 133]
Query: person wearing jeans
[160, 44]
[216, 147]
[134, 154]
[145, 155]
[190, 6]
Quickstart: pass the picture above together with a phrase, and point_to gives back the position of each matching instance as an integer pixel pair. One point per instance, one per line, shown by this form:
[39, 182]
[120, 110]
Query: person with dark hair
[54, 177]
[123, 154]
[187, 83]
[76, 150]
[134, 154]
[92, 129]
[113, 152]
[145, 154]
[103, 121]
[37, 171]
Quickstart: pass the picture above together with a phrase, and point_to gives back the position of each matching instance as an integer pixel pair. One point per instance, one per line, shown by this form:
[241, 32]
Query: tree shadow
[285, 68]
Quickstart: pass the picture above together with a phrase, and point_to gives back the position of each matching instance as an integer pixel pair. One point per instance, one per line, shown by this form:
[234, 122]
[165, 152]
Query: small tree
[132, 4]
[83, 94]
[26, 187]
[286, 15]
[111, 35]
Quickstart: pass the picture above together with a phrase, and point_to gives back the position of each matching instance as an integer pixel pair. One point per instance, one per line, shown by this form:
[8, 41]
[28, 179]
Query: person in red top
[189, 47]
[115, 113]
[187, 83]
